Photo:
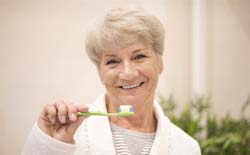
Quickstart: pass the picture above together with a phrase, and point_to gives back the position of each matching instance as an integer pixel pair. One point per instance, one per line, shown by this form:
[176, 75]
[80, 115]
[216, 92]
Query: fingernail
[73, 117]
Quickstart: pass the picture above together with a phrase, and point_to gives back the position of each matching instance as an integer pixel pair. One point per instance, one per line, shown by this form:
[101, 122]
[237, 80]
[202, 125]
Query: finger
[72, 111]
[82, 108]
[52, 113]
[62, 111]
[49, 113]
[78, 122]
[75, 125]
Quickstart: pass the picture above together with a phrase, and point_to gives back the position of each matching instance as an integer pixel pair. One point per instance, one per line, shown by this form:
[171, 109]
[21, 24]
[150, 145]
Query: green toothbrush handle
[92, 113]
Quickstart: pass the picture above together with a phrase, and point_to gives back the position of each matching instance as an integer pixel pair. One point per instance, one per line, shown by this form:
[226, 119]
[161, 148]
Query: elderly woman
[126, 46]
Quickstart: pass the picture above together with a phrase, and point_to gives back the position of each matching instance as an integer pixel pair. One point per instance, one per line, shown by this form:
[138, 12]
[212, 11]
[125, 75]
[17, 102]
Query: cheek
[151, 69]
[153, 73]
[107, 78]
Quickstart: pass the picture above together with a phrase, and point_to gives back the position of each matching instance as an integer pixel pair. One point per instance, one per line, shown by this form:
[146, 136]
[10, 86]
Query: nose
[128, 72]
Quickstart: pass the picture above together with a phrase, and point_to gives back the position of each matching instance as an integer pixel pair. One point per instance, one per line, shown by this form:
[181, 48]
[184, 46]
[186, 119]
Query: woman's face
[130, 75]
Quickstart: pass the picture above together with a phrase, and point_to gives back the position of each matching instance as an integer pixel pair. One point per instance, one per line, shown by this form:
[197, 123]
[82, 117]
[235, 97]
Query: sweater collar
[100, 135]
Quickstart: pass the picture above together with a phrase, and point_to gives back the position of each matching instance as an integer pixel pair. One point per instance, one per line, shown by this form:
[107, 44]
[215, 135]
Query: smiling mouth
[128, 87]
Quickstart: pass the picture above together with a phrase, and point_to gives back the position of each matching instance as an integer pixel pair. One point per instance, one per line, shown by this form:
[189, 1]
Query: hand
[59, 120]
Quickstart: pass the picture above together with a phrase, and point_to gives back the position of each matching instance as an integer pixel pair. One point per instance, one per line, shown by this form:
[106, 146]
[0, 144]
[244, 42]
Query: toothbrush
[123, 110]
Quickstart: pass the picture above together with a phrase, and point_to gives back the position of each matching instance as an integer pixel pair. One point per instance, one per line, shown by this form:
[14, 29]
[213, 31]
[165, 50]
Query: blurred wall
[228, 49]
[42, 57]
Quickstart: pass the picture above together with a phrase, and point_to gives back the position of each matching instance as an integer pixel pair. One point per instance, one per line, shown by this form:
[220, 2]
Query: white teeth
[130, 87]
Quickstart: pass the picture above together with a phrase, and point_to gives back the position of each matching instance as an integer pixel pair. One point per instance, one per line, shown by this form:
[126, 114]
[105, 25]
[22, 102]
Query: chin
[133, 98]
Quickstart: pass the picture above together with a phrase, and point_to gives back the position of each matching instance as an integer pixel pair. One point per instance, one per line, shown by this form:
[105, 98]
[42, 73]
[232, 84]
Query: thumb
[74, 126]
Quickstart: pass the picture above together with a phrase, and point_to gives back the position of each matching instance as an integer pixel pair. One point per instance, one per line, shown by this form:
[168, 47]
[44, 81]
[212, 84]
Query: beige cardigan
[94, 137]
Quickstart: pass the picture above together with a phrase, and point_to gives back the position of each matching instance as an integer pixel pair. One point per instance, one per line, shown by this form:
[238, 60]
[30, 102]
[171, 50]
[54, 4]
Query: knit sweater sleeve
[39, 143]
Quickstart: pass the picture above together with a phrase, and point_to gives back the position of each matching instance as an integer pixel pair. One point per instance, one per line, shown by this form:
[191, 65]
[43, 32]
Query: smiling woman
[126, 45]
[130, 75]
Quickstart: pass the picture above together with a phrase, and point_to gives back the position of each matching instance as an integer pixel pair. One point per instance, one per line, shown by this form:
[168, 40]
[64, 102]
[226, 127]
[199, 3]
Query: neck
[143, 120]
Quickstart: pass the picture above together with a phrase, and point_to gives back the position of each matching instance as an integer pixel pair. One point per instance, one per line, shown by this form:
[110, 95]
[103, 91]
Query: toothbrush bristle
[125, 108]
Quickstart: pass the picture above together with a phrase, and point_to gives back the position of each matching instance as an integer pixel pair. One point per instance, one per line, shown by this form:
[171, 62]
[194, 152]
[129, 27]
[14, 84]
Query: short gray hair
[122, 27]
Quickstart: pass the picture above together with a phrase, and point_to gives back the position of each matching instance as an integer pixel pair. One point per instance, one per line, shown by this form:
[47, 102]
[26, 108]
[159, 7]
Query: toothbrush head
[126, 110]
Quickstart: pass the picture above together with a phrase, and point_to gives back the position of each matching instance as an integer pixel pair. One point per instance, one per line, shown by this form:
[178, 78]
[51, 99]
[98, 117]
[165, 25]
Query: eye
[112, 61]
[139, 56]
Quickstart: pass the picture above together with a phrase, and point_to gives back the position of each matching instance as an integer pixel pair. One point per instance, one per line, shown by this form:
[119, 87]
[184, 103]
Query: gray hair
[120, 28]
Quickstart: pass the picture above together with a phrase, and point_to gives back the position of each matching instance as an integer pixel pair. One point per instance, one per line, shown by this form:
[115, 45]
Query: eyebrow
[135, 51]
[139, 50]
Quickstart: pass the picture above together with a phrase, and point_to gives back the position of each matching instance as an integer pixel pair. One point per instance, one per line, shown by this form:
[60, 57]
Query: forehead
[131, 48]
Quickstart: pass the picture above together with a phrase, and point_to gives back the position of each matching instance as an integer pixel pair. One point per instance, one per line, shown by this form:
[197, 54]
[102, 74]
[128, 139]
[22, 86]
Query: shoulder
[181, 141]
